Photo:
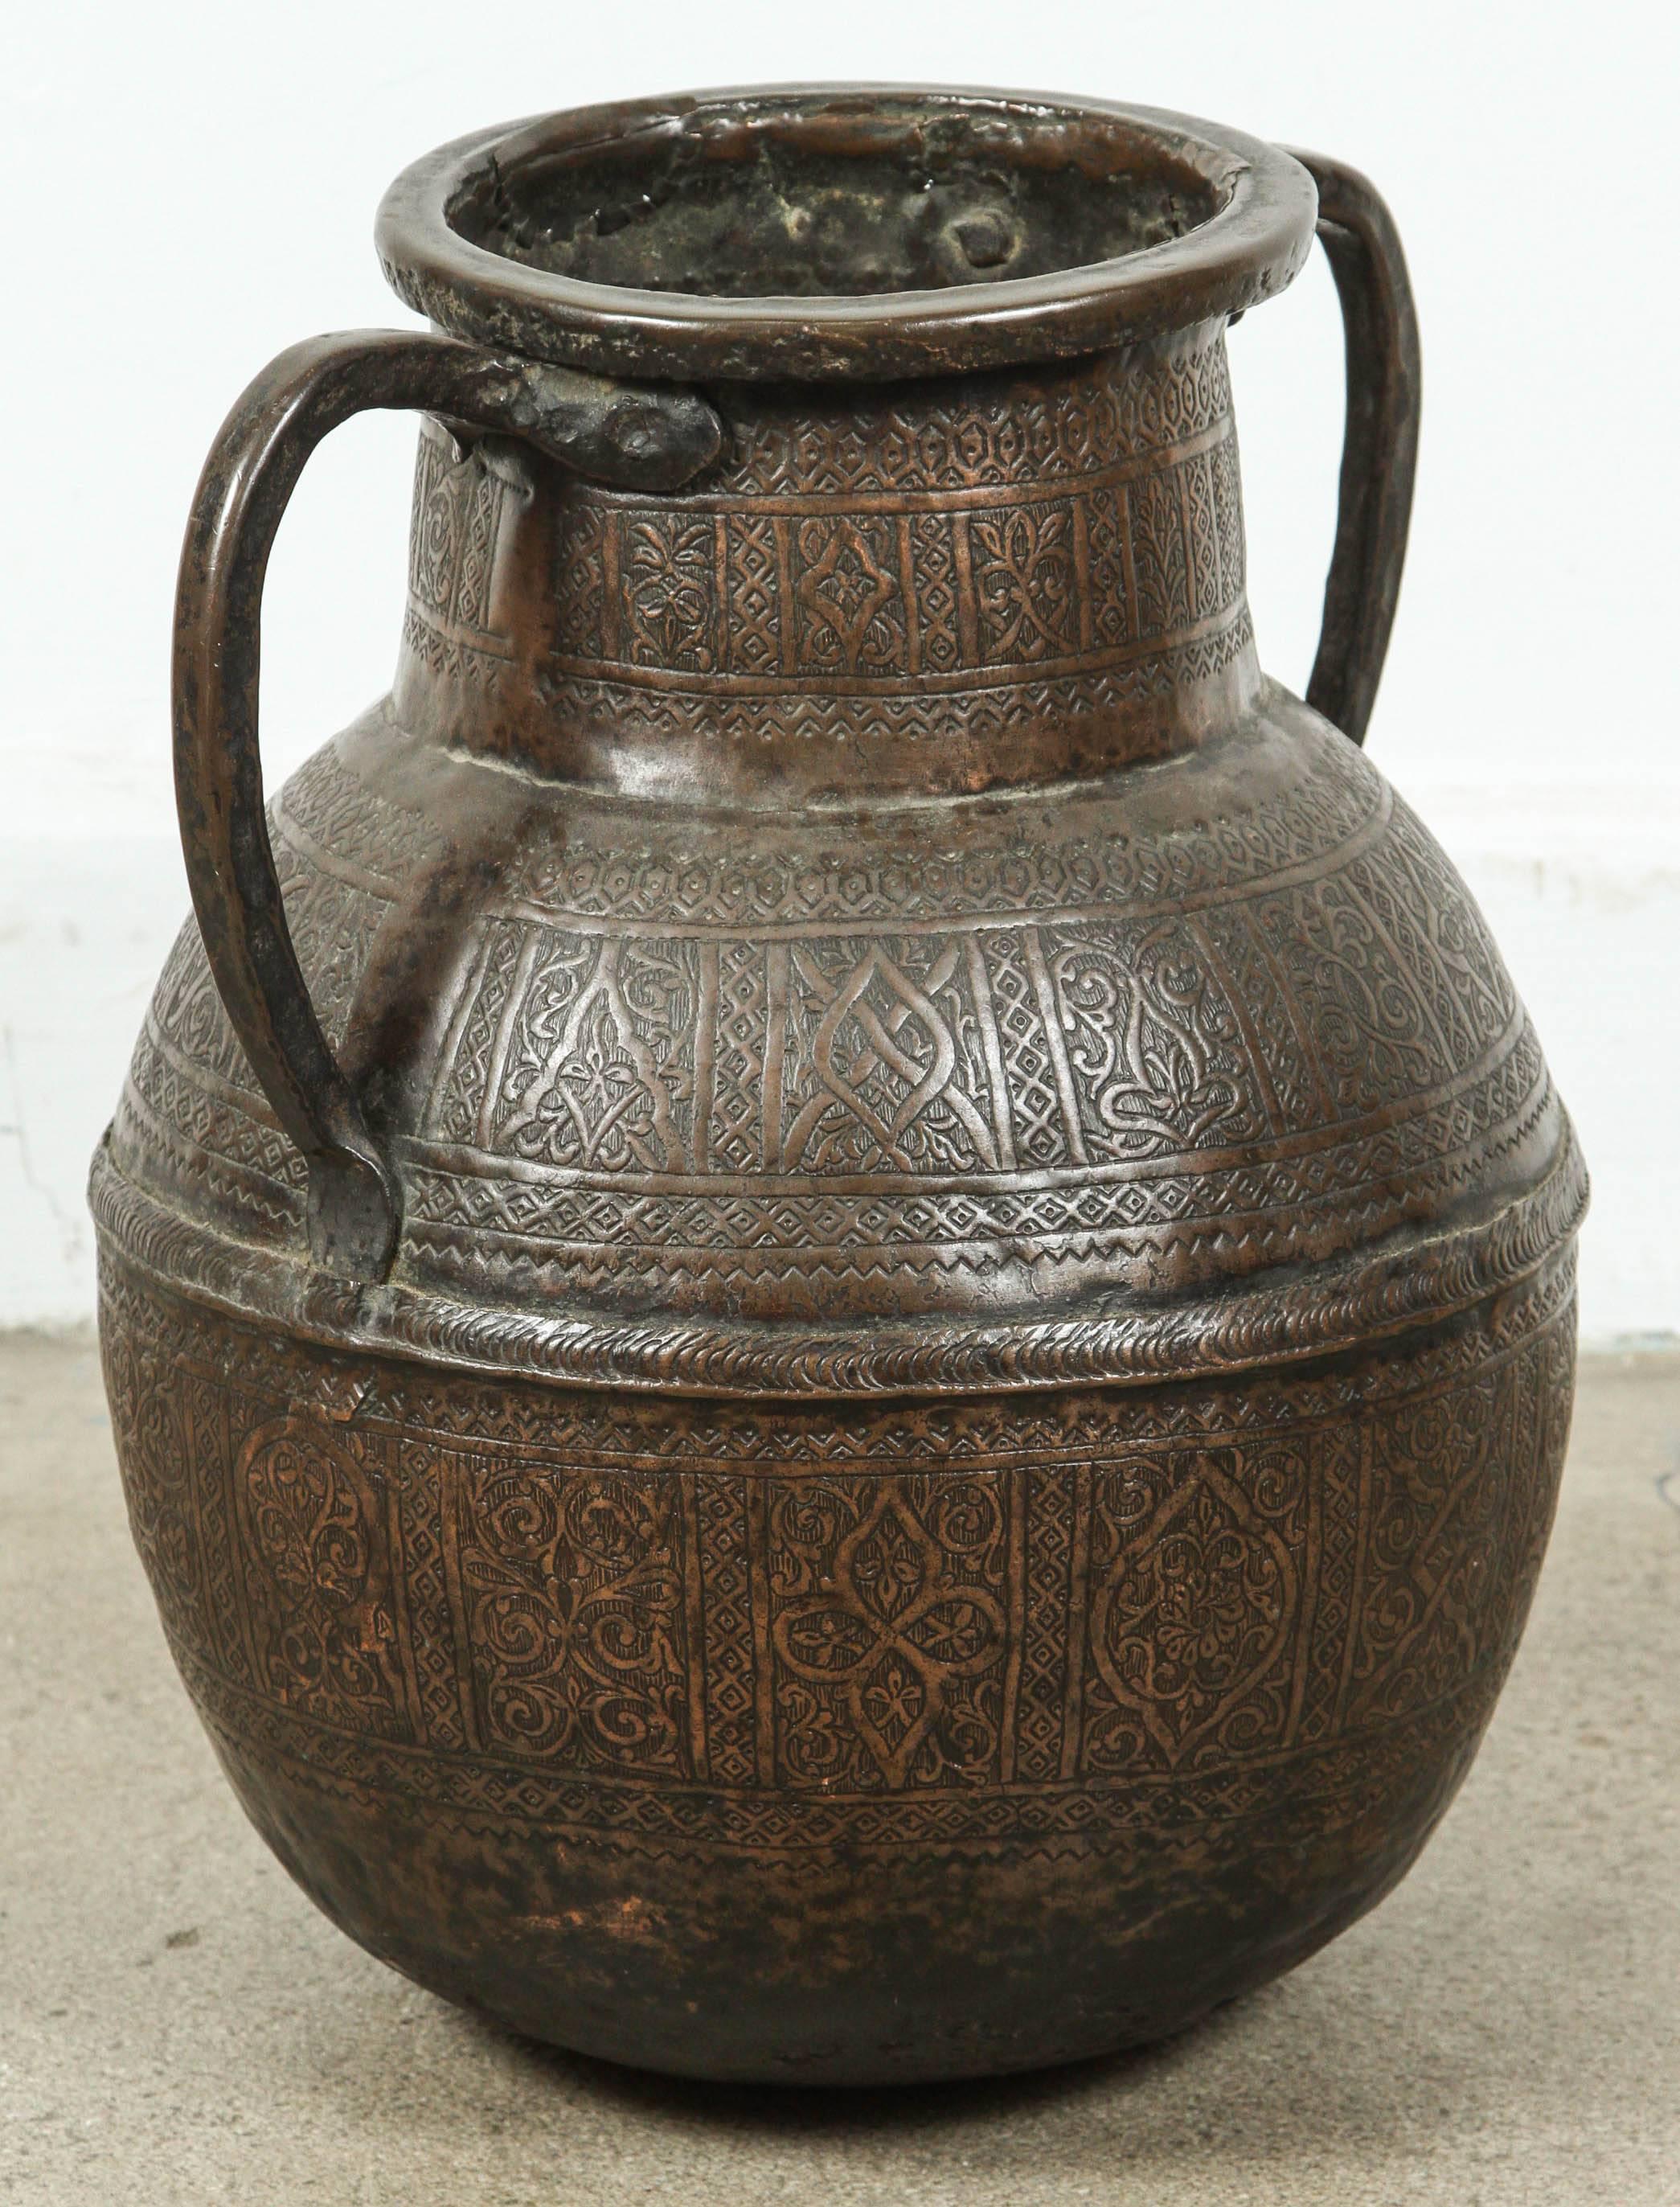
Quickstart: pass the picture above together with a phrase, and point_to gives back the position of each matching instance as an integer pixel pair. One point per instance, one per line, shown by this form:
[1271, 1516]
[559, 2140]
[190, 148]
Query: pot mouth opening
[791, 198]
[865, 232]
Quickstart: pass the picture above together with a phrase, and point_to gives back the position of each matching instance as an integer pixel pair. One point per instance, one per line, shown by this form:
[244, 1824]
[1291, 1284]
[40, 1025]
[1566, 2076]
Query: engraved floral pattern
[666, 565]
[574, 1620]
[888, 1628]
[316, 1577]
[1049, 553]
[1100, 1611]
[1027, 583]
[587, 1082]
[1197, 1598]
[1160, 1062]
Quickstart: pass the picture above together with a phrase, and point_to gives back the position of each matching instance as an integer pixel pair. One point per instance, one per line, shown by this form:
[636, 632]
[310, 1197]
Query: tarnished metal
[838, 1282]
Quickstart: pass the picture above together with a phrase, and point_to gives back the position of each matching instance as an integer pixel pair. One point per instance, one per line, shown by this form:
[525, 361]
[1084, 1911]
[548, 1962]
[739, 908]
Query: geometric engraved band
[832, 1079]
[1017, 555]
[950, 1622]
[1330, 1307]
[834, 597]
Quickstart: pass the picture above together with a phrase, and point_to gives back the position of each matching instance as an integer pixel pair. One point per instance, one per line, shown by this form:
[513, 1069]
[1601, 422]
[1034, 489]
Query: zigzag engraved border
[620, 1431]
[457, 1778]
[1409, 1280]
[1308, 1786]
[996, 432]
[989, 710]
[1171, 1195]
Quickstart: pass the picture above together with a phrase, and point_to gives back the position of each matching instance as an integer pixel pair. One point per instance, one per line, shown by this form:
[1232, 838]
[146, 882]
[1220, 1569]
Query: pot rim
[1248, 248]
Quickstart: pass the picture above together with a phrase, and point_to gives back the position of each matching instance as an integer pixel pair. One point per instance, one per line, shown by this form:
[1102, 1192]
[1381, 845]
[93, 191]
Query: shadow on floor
[816, 2112]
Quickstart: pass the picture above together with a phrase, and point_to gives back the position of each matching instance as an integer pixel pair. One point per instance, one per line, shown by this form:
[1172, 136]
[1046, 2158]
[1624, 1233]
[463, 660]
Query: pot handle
[618, 433]
[1379, 453]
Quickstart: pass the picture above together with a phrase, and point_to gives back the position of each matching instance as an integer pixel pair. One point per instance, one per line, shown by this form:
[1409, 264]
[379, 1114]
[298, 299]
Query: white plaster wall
[192, 187]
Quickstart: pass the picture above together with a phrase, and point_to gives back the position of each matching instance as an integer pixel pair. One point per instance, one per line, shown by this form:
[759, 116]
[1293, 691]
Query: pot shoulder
[1212, 1020]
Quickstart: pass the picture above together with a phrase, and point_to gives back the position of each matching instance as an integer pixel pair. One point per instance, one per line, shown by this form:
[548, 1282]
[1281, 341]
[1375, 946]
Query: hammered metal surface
[996, 1732]
[974, 1376]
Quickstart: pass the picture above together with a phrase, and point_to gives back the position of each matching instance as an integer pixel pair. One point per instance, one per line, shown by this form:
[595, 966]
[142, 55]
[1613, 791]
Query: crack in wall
[69, 1225]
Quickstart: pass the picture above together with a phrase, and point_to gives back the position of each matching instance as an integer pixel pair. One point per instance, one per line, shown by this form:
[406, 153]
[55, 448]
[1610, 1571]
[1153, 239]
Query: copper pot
[838, 1280]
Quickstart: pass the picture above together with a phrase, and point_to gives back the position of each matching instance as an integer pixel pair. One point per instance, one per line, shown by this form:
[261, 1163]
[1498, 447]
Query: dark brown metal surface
[838, 1282]
[1380, 456]
[939, 231]
[830, 1744]
[652, 439]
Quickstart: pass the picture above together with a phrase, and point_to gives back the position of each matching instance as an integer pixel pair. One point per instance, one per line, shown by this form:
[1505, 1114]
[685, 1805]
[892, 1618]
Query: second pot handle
[1379, 453]
[648, 439]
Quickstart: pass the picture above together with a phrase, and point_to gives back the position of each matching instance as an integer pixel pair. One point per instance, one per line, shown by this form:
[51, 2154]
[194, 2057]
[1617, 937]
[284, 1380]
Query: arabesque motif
[896, 1411]
[889, 1630]
[1044, 1606]
[1239, 1032]
[1074, 548]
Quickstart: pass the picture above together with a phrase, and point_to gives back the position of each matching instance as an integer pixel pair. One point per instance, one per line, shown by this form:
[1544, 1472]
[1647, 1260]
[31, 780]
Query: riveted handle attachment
[637, 437]
[1379, 454]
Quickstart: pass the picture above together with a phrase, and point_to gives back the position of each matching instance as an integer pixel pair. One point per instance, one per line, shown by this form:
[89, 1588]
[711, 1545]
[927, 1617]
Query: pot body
[923, 1734]
[819, 1744]
[955, 1443]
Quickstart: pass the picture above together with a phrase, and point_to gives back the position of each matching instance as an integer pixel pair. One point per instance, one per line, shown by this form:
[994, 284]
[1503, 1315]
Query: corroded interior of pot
[820, 198]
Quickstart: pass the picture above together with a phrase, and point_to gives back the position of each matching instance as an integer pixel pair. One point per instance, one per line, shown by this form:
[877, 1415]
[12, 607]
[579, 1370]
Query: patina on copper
[838, 1281]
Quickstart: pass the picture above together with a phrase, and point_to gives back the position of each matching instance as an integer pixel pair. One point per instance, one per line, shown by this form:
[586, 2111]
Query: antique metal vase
[837, 1280]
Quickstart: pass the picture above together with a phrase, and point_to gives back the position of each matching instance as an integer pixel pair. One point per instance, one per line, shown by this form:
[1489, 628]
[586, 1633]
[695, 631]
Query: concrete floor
[177, 2025]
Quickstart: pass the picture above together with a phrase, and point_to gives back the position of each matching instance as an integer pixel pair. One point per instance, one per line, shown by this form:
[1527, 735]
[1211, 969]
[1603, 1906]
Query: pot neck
[979, 581]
